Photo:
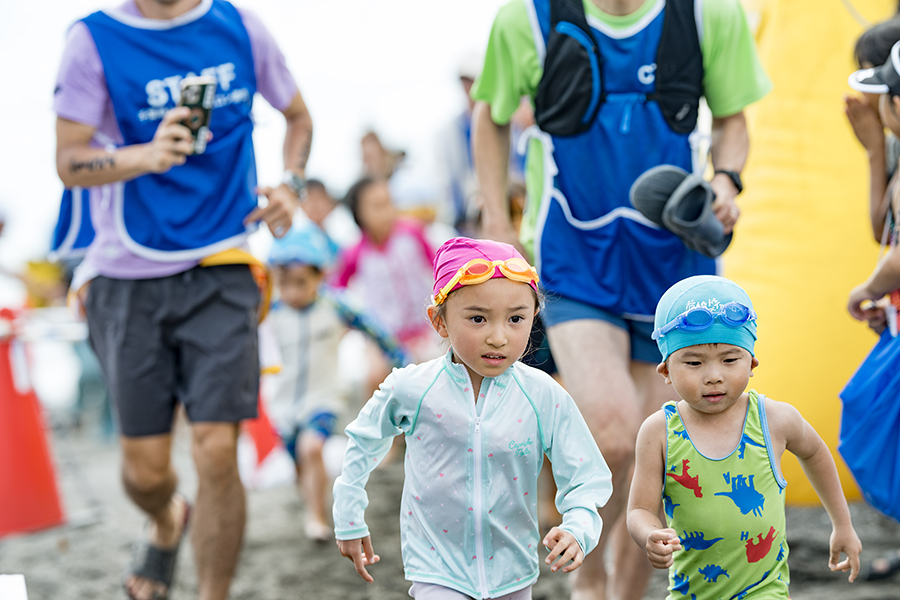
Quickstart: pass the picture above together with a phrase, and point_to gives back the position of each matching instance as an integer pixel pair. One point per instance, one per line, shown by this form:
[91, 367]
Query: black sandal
[156, 564]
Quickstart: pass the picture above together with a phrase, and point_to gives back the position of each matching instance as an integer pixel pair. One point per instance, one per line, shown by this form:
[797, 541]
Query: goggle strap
[464, 277]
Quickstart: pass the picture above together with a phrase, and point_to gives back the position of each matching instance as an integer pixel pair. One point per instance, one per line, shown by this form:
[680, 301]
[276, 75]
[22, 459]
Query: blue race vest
[74, 231]
[197, 208]
[592, 246]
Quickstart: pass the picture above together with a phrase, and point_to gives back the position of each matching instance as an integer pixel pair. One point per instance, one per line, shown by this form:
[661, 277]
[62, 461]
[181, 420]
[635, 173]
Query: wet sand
[87, 558]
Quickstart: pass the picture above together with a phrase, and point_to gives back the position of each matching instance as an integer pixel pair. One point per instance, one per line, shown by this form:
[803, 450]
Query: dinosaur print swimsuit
[728, 513]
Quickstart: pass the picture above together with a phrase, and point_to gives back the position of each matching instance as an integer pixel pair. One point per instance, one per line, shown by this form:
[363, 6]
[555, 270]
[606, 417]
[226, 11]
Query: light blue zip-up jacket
[469, 509]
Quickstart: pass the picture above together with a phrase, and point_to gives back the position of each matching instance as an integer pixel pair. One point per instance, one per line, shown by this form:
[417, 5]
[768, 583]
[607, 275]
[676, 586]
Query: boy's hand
[563, 546]
[844, 539]
[361, 553]
[660, 547]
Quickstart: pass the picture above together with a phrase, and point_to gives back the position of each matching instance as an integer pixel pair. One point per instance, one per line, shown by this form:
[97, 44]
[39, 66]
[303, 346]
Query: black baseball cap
[879, 80]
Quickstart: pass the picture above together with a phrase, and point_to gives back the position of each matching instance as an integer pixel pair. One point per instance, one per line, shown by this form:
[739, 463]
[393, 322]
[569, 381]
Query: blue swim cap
[709, 292]
[303, 244]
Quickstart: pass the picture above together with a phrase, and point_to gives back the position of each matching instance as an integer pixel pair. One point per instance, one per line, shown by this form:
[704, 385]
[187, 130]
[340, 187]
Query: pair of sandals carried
[681, 202]
[156, 564]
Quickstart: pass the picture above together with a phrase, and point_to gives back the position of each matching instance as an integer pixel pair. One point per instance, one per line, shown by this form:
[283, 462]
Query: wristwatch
[735, 178]
[296, 183]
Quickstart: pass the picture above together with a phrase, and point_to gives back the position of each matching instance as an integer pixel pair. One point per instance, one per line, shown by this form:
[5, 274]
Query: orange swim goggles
[479, 270]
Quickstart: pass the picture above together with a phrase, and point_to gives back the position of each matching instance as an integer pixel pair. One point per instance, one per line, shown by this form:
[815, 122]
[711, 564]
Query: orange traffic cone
[29, 498]
[265, 463]
[262, 433]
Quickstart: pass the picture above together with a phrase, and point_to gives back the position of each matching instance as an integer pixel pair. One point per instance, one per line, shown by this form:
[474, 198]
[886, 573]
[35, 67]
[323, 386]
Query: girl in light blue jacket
[477, 424]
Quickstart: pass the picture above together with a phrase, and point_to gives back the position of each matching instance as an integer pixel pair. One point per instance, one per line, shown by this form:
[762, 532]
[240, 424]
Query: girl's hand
[563, 546]
[360, 552]
[844, 539]
[865, 122]
[660, 547]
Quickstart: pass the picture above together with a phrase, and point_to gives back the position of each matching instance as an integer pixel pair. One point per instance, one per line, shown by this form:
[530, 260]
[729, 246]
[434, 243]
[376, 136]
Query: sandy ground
[86, 559]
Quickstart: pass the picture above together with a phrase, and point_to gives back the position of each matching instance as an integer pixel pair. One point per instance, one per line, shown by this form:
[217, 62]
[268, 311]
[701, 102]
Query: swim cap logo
[712, 305]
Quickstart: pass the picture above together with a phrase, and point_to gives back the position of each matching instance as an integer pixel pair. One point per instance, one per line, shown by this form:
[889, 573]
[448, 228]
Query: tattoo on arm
[304, 151]
[95, 164]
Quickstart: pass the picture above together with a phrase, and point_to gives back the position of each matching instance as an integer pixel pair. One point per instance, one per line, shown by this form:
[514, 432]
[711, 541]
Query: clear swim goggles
[479, 270]
[700, 318]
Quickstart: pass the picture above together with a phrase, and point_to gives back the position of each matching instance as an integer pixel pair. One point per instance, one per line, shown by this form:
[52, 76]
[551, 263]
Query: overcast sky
[389, 65]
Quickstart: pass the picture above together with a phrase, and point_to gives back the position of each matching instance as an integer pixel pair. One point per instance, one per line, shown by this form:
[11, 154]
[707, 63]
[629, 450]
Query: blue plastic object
[869, 439]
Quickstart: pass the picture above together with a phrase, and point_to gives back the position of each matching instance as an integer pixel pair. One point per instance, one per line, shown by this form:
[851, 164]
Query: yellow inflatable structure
[804, 238]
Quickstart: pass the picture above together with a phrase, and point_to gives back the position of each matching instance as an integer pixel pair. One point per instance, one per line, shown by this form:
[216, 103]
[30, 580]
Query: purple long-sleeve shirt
[81, 96]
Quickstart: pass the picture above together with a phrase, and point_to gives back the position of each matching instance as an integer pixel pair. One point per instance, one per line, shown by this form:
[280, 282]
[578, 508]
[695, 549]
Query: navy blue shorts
[322, 423]
[188, 338]
[559, 310]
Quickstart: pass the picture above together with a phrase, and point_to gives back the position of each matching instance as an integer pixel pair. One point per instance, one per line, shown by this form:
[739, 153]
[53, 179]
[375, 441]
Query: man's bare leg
[150, 482]
[633, 570]
[594, 360]
[220, 512]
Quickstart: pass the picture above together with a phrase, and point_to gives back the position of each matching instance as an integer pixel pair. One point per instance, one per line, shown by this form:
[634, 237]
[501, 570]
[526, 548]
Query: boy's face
[709, 377]
[298, 284]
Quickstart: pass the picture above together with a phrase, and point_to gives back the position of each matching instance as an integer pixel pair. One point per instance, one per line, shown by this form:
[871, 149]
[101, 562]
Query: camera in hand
[198, 93]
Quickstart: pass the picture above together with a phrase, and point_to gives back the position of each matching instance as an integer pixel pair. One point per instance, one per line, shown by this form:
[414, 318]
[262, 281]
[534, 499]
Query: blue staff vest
[74, 231]
[198, 208]
[590, 244]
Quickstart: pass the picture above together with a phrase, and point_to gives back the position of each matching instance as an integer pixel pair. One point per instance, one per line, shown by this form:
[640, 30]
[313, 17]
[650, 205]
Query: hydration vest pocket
[571, 88]
[678, 99]
[570, 91]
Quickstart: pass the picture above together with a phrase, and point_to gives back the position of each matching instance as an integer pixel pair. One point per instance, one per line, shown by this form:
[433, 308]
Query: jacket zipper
[479, 516]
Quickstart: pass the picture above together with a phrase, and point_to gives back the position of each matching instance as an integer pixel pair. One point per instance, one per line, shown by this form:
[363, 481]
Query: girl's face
[488, 325]
[376, 212]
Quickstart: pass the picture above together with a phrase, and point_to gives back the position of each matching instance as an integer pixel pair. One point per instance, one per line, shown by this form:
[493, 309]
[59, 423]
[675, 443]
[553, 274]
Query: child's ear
[663, 369]
[754, 362]
[437, 322]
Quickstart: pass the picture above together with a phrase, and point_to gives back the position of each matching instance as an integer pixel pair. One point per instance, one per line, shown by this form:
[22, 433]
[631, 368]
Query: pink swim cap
[457, 252]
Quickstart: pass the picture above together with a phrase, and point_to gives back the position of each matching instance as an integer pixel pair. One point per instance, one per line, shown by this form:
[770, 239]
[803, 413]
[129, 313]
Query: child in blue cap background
[714, 457]
[308, 394]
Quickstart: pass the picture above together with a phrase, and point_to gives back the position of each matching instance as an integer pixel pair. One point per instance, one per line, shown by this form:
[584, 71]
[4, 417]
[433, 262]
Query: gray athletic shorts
[189, 338]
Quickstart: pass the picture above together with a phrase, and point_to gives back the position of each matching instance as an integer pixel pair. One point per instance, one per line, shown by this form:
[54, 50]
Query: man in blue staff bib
[172, 304]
